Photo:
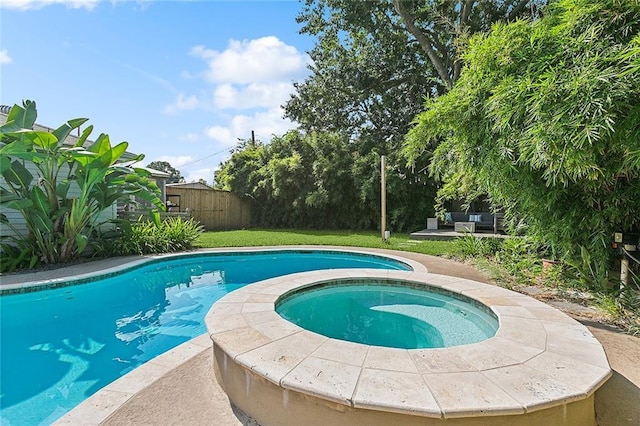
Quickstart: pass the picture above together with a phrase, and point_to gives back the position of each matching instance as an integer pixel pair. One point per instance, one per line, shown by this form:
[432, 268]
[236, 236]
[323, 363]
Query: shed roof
[191, 185]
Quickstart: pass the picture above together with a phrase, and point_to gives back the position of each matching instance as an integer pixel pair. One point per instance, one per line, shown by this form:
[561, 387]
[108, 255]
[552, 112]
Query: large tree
[164, 166]
[545, 119]
[371, 71]
[374, 63]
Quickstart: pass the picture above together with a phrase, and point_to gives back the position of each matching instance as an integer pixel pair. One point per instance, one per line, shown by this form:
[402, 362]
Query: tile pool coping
[539, 357]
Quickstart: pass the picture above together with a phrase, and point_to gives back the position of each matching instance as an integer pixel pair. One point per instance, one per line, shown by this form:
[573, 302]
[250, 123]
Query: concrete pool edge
[102, 404]
[539, 360]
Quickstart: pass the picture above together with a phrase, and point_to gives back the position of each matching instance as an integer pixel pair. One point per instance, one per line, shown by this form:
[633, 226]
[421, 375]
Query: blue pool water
[59, 346]
[389, 314]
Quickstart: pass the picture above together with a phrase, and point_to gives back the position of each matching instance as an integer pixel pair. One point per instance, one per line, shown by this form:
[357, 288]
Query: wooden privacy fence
[214, 209]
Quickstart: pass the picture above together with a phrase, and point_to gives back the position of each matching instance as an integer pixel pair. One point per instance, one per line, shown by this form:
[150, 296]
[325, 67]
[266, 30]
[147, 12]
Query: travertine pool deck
[539, 360]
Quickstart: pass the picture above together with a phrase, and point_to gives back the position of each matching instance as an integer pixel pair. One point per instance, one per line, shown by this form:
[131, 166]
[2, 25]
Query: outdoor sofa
[482, 220]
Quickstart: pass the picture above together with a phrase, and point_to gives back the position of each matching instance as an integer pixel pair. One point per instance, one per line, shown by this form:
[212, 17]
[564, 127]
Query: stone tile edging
[539, 358]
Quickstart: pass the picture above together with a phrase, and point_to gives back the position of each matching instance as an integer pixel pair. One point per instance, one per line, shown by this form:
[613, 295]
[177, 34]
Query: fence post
[383, 198]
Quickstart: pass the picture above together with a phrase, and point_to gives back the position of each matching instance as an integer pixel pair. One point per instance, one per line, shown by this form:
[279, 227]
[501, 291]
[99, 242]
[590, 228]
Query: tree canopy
[545, 119]
[164, 166]
[375, 61]
[373, 65]
[319, 180]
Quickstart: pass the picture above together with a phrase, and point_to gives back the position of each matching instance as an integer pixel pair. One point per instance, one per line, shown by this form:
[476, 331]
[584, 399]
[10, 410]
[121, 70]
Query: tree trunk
[425, 42]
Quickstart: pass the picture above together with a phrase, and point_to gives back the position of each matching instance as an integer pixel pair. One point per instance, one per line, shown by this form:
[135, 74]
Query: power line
[253, 139]
[204, 158]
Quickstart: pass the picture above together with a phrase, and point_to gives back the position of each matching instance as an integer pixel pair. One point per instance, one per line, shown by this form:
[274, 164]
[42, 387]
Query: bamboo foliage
[545, 119]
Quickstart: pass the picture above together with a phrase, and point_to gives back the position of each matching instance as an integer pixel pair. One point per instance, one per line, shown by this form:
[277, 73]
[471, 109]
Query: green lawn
[278, 237]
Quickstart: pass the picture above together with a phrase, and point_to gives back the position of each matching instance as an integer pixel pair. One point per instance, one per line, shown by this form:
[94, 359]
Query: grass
[277, 237]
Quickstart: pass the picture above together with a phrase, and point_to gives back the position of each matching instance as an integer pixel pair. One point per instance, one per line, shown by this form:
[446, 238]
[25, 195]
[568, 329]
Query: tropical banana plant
[72, 185]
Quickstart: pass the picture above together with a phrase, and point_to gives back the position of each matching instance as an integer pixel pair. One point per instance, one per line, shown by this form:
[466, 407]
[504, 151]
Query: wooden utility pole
[383, 198]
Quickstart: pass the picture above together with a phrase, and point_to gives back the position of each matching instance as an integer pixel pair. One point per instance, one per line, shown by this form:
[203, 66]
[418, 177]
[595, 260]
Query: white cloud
[221, 134]
[265, 59]
[252, 76]
[175, 161]
[37, 4]
[189, 137]
[263, 123]
[184, 163]
[256, 95]
[196, 175]
[183, 103]
[4, 57]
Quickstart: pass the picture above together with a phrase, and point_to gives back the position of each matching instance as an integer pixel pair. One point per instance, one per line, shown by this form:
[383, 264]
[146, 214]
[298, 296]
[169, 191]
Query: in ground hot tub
[389, 313]
[540, 367]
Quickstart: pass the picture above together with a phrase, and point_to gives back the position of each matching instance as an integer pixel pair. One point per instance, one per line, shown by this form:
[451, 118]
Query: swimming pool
[61, 345]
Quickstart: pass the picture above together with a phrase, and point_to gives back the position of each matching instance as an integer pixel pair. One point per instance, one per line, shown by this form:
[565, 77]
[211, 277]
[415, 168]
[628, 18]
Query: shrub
[519, 257]
[471, 246]
[587, 272]
[147, 237]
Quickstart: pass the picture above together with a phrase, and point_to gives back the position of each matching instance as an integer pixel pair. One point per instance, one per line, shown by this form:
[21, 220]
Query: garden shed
[214, 209]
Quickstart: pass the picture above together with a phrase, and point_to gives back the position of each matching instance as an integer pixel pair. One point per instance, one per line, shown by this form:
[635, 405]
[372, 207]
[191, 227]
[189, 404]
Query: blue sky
[179, 80]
